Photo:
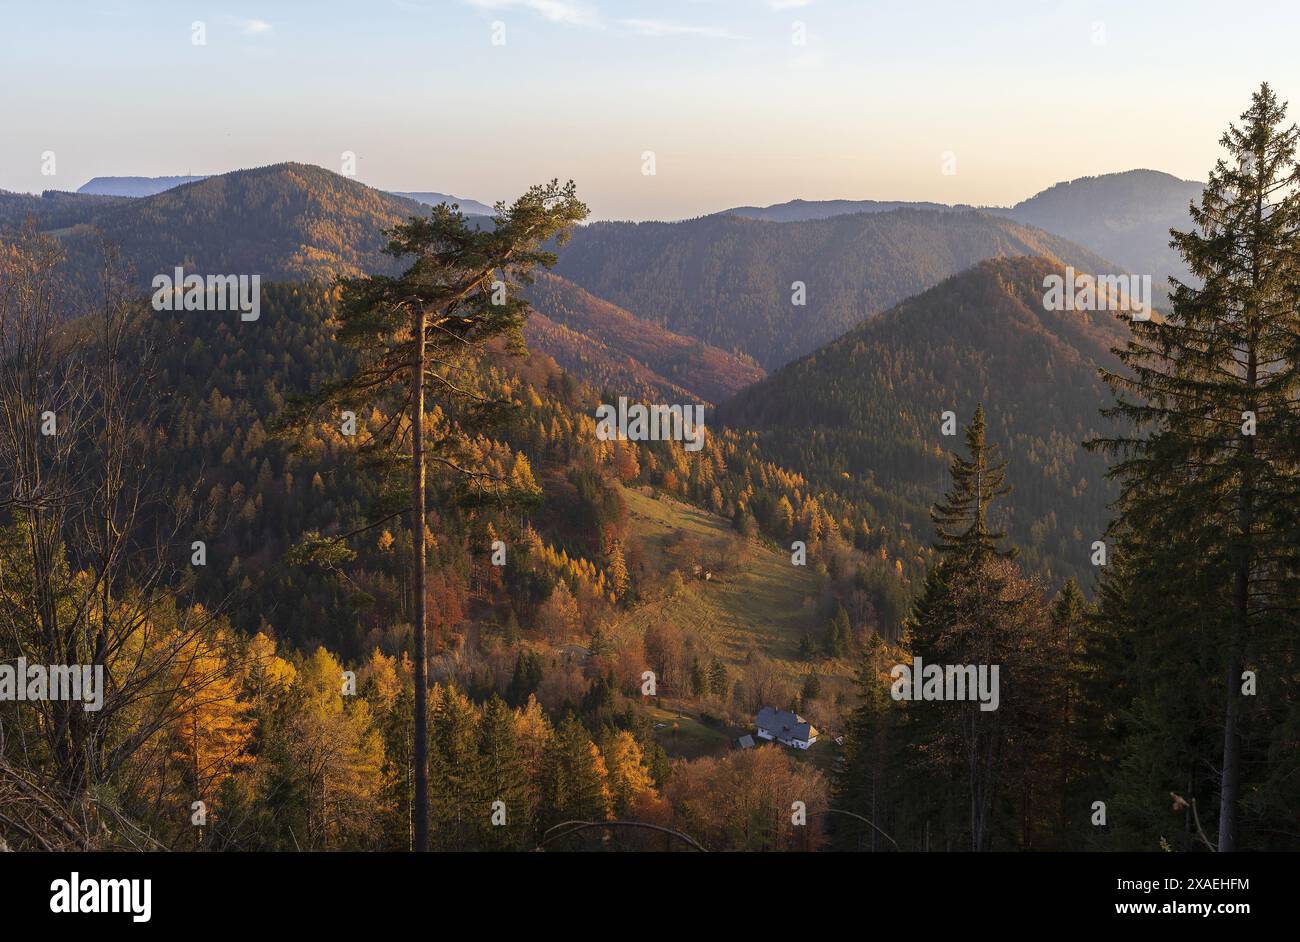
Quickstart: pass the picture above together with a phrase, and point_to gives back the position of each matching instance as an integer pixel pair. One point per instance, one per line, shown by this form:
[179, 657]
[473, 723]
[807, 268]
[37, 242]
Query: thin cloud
[255, 27]
[788, 4]
[557, 11]
[665, 28]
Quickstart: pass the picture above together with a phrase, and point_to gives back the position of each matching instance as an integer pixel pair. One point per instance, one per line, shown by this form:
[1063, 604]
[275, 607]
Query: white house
[789, 729]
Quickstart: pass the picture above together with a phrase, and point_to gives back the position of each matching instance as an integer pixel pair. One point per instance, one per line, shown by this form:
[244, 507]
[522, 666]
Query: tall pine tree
[425, 328]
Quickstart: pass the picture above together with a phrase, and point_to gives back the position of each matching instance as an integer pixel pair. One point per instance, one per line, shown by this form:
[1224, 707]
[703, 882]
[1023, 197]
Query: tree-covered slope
[288, 222]
[868, 405]
[602, 343]
[51, 210]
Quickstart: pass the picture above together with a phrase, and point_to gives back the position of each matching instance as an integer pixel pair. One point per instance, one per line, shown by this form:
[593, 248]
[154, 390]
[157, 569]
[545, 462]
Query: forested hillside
[536, 664]
[597, 341]
[260, 492]
[868, 406]
[51, 210]
[286, 221]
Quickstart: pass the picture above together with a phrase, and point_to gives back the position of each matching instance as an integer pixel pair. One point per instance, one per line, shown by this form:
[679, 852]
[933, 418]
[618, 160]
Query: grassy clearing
[759, 602]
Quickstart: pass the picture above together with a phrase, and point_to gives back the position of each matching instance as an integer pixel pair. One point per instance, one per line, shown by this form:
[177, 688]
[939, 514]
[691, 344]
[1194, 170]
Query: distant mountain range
[135, 186]
[733, 282]
[1124, 217]
[296, 222]
[804, 210]
[467, 206]
[728, 281]
[287, 222]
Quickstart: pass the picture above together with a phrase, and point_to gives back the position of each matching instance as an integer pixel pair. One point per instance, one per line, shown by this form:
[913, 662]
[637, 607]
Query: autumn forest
[367, 567]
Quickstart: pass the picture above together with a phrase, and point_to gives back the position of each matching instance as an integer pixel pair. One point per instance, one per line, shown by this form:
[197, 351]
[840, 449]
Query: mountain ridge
[733, 282]
[140, 186]
[1122, 216]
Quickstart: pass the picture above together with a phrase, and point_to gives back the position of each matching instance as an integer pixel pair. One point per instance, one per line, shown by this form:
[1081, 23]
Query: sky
[957, 102]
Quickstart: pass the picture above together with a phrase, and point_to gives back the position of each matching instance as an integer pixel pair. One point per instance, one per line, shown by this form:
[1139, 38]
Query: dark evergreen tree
[839, 634]
[524, 681]
[718, 680]
[1068, 619]
[807, 647]
[504, 779]
[575, 785]
[699, 678]
[1208, 511]
[454, 771]
[961, 518]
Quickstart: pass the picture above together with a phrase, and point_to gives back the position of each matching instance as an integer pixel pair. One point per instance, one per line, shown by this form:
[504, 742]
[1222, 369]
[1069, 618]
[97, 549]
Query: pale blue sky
[735, 111]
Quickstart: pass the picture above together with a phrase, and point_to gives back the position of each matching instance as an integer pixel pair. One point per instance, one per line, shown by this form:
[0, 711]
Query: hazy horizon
[490, 200]
[734, 110]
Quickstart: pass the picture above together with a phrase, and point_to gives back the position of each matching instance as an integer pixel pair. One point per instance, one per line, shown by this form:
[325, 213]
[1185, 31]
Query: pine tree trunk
[1231, 762]
[1230, 777]
[420, 806]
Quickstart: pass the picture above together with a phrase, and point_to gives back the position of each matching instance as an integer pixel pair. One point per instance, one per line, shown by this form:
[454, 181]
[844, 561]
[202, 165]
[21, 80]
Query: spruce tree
[454, 767]
[718, 681]
[974, 608]
[961, 518]
[503, 777]
[812, 687]
[1207, 474]
[576, 785]
[865, 781]
[839, 635]
[1068, 621]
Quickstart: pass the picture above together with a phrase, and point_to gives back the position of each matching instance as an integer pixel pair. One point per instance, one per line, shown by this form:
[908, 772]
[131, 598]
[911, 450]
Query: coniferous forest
[337, 520]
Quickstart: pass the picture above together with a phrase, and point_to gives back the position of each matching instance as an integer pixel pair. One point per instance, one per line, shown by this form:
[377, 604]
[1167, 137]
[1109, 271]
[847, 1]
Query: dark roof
[785, 725]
